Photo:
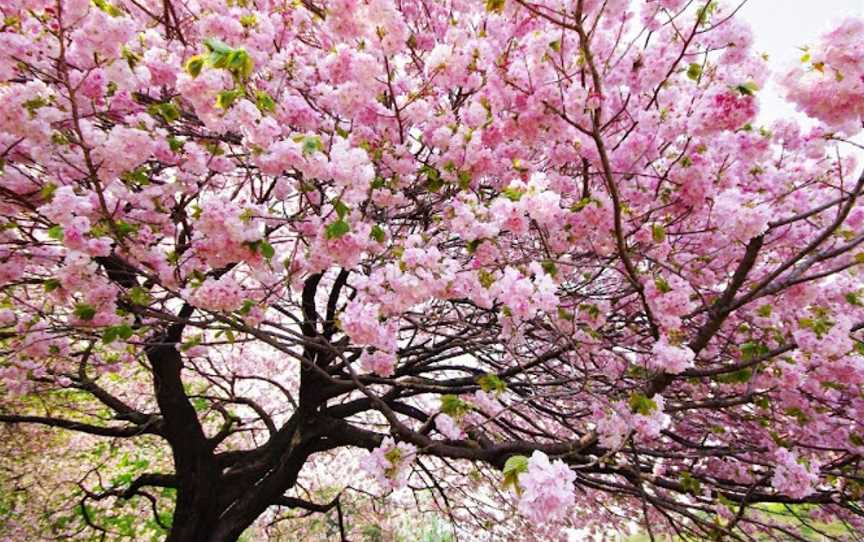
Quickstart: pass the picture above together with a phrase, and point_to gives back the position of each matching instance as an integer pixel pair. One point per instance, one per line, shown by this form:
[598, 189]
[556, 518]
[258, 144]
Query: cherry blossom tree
[528, 266]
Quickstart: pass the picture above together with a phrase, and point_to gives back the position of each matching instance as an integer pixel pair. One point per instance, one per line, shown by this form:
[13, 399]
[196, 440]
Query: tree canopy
[362, 269]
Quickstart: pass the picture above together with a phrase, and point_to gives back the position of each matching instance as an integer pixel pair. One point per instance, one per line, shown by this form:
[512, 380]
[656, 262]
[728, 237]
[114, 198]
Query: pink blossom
[222, 294]
[741, 219]
[669, 298]
[831, 344]
[123, 150]
[726, 109]
[829, 85]
[378, 362]
[547, 489]
[7, 317]
[791, 477]
[448, 427]
[362, 322]
[390, 464]
[670, 359]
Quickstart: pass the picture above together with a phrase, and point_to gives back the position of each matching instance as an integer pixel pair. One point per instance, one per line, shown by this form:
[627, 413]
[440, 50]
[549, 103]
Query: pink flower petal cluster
[223, 294]
[123, 150]
[832, 344]
[669, 299]
[390, 464]
[792, 477]
[726, 109]
[547, 489]
[829, 85]
[615, 421]
[447, 426]
[378, 362]
[362, 322]
[224, 231]
[738, 217]
[525, 298]
[669, 358]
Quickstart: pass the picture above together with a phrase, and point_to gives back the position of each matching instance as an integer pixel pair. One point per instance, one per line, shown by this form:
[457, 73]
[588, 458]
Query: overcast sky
[781, 26]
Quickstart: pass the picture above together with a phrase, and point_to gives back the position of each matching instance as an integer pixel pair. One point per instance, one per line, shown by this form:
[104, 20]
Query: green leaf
[641, 404]
[764, 311]
[139, 296]
[495, 6]
[706, 11]
[798, 414]
[433, 178]
[662, 285]
[453, 406]
[191, 343]
[51, 284]
[658, 233]
[566, 315]
[83, 311]
[112, 333]
[741, 376]
[753, 350]
[34, 104]
[378, 233]
[176, 145]
[311, 144]
[486, 278]
[689, 484]
[47, 191]
[513, 467]
[491, 383]
[579, 205]
[125, 229]
[239, 63]
[137, 177]
[168, 111]
[555, 45]
[464, 180]
[336, 229]
[820, 324]
[265, 102]
[267, 250]
[694, 71]
[513, 194]
[56, 233]
[131, 57]
[216, 45]
[108, 8]
[194, 65]
[226, 98]
[747, 89]
[550, 267]
[247, 307]
[341, 209]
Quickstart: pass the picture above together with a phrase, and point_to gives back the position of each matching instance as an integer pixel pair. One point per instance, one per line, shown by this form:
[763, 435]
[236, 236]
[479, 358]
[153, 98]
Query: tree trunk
[193, 524]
